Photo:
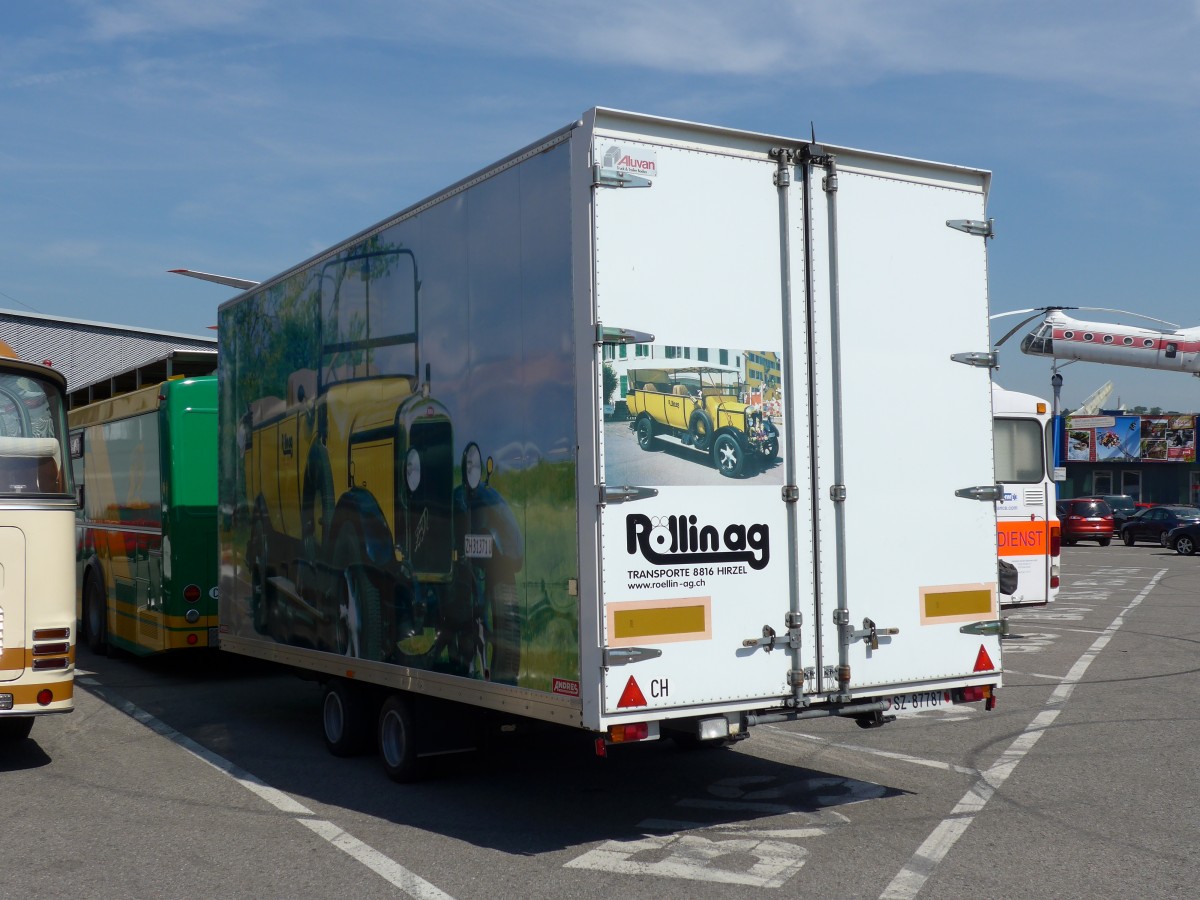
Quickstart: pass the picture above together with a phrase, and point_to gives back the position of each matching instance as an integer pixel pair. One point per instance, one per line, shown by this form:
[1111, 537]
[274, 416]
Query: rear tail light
[1055, 539]
[634, 731]
[974, 694]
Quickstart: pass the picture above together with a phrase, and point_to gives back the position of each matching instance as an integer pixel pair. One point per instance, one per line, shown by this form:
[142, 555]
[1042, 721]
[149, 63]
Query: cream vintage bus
[37, 548]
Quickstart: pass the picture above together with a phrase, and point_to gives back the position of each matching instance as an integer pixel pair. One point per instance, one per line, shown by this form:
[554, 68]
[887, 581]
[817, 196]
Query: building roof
[96, 355]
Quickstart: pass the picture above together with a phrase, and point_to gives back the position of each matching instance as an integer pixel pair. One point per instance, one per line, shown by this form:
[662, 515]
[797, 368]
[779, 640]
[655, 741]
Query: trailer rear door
[695, 560]
[904, 430]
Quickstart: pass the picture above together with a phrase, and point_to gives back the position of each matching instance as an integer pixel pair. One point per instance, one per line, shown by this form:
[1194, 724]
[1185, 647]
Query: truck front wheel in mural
[704, 408]
[363, 542]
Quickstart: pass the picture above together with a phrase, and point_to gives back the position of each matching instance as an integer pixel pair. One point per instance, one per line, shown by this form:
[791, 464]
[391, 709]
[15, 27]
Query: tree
[610, 383]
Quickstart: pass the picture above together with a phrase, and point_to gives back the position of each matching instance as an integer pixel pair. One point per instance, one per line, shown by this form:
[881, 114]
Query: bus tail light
[1054, 579]
[51, 650]
[1055, 539]
[191, 593]
[45, 697]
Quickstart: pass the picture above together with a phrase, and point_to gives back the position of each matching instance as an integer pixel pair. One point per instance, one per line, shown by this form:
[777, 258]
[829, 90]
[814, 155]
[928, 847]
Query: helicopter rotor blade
[1018, 327]
[1126, 312]
[1033, 309]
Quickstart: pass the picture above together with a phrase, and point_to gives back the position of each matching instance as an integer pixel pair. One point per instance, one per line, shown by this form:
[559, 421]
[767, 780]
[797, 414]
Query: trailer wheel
[358, 625]
[645, 432]
[701, 430]
[1184, 545]
[397, 739]
[95, 618]
[347, 720]
[15, 728]
[728, 456]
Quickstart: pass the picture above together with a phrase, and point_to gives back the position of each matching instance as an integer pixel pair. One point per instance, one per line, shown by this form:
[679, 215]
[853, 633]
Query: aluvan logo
[668, 540]
[640, 162]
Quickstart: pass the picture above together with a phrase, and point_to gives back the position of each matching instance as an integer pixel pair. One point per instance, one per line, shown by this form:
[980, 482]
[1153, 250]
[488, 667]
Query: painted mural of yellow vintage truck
[365, 541]
[701, 407]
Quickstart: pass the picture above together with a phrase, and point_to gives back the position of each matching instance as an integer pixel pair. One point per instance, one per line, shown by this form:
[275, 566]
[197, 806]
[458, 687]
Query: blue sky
[242, 136]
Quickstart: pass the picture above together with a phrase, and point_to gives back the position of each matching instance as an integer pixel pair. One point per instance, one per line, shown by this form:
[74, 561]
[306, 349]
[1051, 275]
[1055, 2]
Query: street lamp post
[1056, 381]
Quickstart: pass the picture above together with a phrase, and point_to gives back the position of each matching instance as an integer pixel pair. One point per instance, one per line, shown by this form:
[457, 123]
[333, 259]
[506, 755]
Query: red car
[1086, 519]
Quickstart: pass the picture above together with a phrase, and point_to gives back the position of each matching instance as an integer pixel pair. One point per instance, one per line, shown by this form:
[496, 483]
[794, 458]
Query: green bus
[146, 532]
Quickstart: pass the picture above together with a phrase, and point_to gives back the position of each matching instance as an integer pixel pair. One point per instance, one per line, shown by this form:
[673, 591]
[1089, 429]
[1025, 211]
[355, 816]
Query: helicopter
[1066, 339]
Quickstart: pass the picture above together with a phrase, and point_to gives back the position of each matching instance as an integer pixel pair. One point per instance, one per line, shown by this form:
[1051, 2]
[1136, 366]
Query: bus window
[1019, 454]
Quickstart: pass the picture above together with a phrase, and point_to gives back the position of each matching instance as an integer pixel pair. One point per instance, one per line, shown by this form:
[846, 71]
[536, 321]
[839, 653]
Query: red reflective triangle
[632, 695]
[983, 662]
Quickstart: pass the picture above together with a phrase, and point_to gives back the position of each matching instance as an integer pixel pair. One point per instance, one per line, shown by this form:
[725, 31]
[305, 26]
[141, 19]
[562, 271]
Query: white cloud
[1105, 47]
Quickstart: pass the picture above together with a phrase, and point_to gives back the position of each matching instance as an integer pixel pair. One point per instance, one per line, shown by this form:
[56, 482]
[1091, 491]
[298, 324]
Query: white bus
[1027, 527]
[37, 548]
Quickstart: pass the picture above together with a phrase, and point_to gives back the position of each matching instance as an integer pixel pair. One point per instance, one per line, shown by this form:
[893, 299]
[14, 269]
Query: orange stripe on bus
[1022, 538]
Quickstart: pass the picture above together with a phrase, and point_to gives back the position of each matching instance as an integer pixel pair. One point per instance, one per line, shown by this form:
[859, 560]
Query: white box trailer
[793, 516]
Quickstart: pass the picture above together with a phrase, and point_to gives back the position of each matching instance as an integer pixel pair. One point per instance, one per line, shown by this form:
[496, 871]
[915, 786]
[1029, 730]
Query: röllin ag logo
[668, 540]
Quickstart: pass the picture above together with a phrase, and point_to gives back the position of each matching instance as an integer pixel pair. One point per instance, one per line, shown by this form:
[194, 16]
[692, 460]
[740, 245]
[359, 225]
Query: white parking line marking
[690, 856]
[381, 865]
[924, 862]
[1008, 671]
[385, 867]
[887, 754]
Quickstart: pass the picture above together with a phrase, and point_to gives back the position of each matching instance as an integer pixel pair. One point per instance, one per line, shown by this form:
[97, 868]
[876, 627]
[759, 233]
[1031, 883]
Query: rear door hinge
[982, 227]
[625, 493]
[991, 626]
[990, 360]
[602, 177]
[988, 493]
[623, 656]
[610, 335]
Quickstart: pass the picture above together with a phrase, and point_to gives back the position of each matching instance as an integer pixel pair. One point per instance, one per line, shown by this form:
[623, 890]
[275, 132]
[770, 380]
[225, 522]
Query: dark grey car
[1153, 524]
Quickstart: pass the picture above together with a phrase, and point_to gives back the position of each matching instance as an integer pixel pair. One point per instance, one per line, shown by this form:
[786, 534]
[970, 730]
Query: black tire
[1162, 539]
[316, 507]
[357, 617]
[15, 728]
[701, 429]
[1104, 542]
[260, 591]
[397, 739]
[1127, 537]
[728, 456]
[1185, 545]
[95, 613]
[1070, 543]
[645, 432]
[505, 651]
[347, 719]
[768, 451]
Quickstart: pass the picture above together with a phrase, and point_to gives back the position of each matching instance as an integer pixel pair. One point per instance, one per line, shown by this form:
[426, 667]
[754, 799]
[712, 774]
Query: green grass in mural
[544, 499]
